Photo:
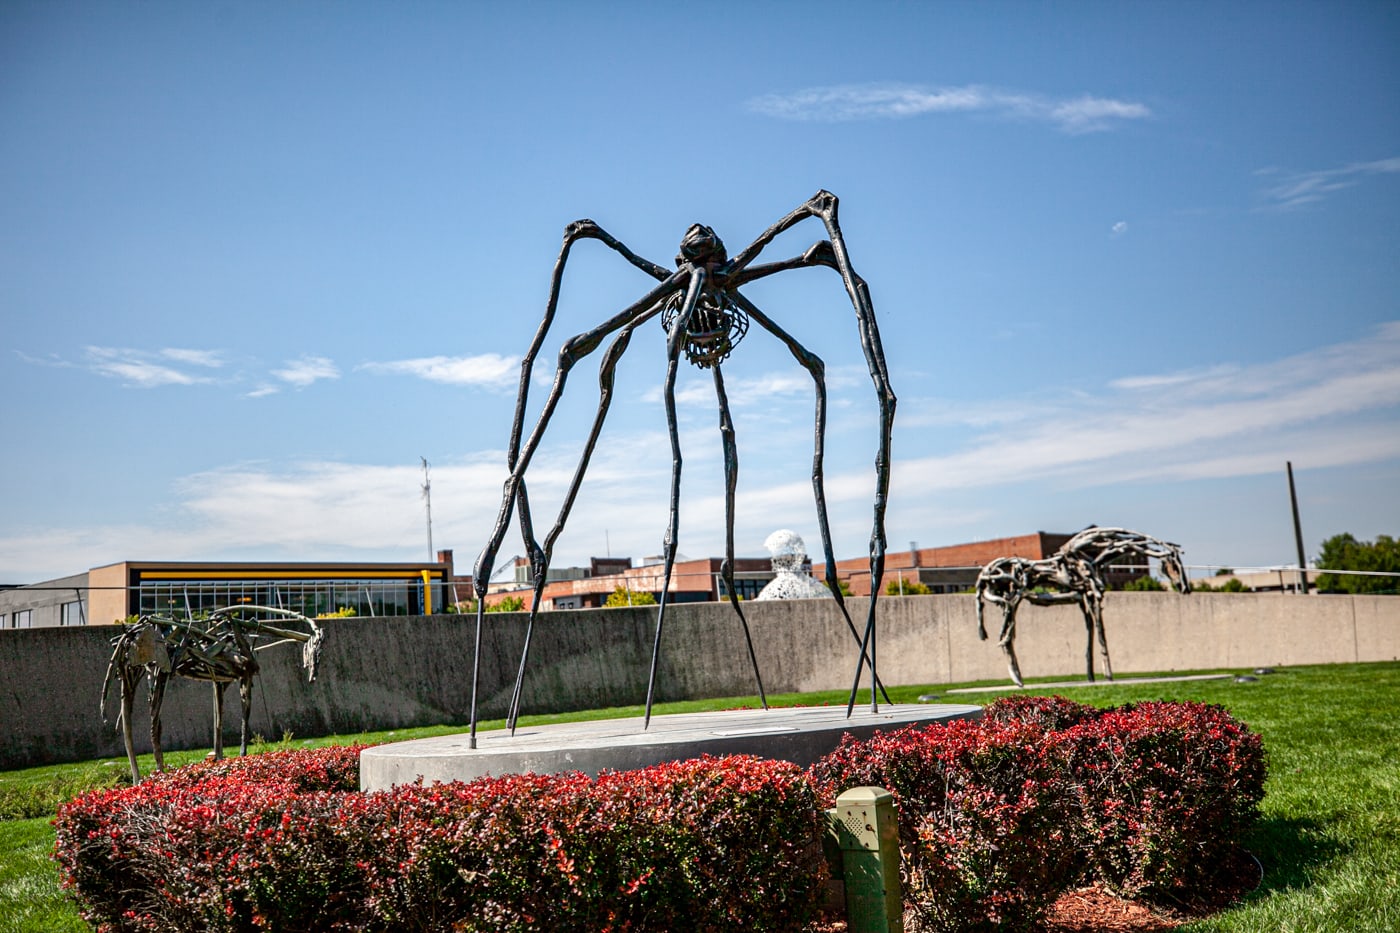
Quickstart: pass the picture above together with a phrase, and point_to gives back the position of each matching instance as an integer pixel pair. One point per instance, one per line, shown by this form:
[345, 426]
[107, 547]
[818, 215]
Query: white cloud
[1335, 406]
[211, 359]
[1208, 422]
[307, 370]
[486, 369]
[836, 103]
[1119, 228]
[139, 368]
[1297, 189]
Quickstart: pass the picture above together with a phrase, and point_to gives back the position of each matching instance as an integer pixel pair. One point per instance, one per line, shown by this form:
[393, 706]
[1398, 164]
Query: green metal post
[865, 830]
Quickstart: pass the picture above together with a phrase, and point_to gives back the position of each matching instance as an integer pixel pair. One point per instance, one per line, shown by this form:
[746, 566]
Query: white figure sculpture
[789, 556]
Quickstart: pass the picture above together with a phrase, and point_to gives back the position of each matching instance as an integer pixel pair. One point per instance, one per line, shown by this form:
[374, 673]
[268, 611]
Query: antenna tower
[428, 504]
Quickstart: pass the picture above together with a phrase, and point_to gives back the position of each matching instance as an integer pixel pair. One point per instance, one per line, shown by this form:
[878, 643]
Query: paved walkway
[1116, 682]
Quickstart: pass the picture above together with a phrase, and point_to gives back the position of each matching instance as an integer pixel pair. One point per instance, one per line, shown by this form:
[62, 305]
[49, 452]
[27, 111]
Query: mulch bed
[1094, 909]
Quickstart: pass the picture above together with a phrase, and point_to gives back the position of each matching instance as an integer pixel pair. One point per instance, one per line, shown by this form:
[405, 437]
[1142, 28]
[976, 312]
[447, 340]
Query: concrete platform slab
[800, 735]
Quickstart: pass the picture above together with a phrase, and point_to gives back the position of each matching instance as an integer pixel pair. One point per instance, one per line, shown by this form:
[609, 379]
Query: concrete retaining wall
[397, 672]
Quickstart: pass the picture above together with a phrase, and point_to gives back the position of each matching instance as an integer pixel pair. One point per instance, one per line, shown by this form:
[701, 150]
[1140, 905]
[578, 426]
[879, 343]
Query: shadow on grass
[1291, 849]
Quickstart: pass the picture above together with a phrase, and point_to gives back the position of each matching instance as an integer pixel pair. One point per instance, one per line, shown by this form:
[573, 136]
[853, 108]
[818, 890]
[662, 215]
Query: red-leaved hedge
[998, 817]
[712, 844]
[983, 806]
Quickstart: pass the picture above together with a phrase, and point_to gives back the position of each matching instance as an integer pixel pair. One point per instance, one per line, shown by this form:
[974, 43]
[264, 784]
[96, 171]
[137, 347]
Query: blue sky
[1127, 260]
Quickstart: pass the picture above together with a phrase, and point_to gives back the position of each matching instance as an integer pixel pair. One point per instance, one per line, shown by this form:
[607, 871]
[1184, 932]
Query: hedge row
[998, 818]
[1001, 816]
[715, 844]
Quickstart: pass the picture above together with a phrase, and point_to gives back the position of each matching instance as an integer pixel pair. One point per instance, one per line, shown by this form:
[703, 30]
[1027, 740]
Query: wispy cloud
[307, 370]
[1335, 406]
[145, 369]
[1118, 229]
[1212, 422]
[1293, 190]
[1083, 114]
[758, 390]
[486, 369]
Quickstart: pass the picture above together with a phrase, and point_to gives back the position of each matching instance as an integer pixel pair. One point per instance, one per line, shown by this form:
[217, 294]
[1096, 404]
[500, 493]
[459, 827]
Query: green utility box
[864, 829]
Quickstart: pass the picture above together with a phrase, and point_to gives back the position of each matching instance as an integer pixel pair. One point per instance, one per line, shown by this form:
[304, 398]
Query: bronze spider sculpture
[705, 316]
[218, 649]
[1073, 574]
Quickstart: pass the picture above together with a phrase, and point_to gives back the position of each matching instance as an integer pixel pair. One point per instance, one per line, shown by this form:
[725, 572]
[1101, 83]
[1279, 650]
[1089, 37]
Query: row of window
[68, 614]
[310, 598]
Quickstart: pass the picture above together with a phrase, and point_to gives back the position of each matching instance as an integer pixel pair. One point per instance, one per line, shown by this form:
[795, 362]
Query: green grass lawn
[1329, 839]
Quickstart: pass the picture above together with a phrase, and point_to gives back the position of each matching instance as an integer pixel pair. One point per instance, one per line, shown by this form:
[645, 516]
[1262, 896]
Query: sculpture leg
[130, 677]
[607, 370]
[158, 682]
[1097, 603]
[817, 370]
[1008, 641]
[824, 205]
[245, 697]
[573, 350]
[1086, 606]
[674, 340]
[219, 719]
[731, 480]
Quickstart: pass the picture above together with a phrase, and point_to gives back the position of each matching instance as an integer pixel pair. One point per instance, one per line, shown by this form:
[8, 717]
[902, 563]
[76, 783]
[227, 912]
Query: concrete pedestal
[800, 735]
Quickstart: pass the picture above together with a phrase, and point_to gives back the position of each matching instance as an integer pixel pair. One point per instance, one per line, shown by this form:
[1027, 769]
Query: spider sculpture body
[219, 650]
[1073, 574]
[705, 315]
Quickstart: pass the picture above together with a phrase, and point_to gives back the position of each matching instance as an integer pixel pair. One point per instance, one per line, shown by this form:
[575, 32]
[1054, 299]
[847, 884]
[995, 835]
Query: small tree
[625, 597]
[1344, 552]
[901, 587]
[1144, 584]
[508, 604]
[844, 586]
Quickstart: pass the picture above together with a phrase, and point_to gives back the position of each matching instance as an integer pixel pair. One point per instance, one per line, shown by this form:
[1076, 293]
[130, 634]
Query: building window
[71, 613]
[21, 619]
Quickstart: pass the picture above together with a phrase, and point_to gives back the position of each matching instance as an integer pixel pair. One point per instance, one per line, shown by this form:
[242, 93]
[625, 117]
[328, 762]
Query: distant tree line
[1344, 552]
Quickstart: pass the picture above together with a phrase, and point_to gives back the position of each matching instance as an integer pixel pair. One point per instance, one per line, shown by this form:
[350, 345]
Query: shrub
[901, 587]
[282, 844]
[621, 596]
[995, 815]
[988, 838]
[1167, 792]
[1049, 713]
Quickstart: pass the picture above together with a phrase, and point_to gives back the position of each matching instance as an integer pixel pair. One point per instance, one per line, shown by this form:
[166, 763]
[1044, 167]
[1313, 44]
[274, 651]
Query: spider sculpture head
[718, 324]
[701, 246]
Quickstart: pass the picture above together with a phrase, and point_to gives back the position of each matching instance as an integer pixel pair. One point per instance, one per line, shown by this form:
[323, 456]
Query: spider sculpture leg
[824, 206]
[731, 480]
[817, 370]
[573, 350]
[674, 341]
[606, 371]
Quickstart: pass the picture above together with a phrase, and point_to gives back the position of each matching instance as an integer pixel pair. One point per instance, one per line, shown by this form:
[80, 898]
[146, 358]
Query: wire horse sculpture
[705, 316]
[1072, 574]
[219, 649]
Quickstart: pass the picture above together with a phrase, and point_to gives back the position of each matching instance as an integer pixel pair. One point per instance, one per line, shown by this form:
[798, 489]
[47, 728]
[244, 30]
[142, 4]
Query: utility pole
[428, 503]
[1298, 531]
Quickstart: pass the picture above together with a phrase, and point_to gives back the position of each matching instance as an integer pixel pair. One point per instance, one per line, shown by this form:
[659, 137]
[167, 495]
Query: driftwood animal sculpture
[219, 649]
[704, 315]
[1073, 574]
